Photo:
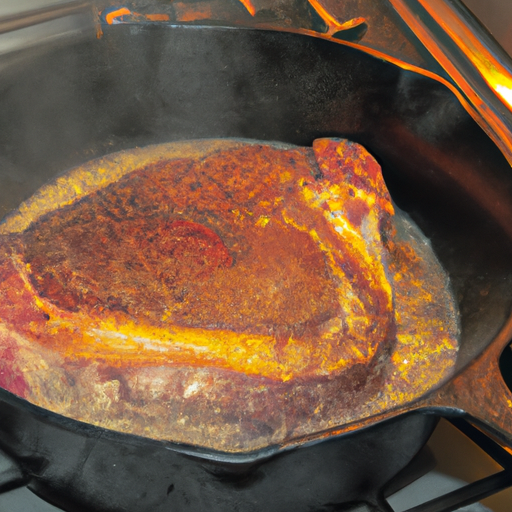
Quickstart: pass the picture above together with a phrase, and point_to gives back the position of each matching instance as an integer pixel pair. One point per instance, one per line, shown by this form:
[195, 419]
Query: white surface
[22, 500]
[431, 486]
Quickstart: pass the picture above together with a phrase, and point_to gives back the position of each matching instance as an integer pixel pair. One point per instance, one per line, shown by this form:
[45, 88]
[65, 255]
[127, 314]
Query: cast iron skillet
[63, 105]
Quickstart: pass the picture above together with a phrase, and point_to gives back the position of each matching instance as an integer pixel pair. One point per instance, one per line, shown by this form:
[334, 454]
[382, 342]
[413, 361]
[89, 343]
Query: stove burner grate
[15, 497]
[480, 489]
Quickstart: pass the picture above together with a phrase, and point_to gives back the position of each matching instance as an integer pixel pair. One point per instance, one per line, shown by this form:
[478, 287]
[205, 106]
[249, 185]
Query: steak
[226, 293]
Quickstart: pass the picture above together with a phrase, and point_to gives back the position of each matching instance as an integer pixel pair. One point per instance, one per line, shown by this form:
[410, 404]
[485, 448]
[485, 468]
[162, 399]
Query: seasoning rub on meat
[241, 293]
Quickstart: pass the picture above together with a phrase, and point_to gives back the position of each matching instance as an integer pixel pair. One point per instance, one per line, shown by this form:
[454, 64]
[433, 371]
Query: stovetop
[450, 458]
[457, 461]
[448, 462]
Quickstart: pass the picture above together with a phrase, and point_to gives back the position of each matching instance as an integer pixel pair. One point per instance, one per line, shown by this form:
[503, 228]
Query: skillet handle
[480, 392]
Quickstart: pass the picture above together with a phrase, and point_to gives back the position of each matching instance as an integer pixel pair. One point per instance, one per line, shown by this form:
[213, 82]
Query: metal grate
[464, 499]
[478, 490]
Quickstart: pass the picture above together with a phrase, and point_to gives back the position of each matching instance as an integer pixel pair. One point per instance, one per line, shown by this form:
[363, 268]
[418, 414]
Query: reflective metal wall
[496, 15]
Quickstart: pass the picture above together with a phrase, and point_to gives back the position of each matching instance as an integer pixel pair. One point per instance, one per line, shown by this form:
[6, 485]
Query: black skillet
[63, 105]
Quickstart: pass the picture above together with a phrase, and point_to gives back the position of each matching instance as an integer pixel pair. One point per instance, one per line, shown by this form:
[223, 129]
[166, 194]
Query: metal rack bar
[480, 489]
[468, 494]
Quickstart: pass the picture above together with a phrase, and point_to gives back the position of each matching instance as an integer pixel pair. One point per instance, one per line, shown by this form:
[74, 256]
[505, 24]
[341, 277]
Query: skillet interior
[62, 106]
[141, 85]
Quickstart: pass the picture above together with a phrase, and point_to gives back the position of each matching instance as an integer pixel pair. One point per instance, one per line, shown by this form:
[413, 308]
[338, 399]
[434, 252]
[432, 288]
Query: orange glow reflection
[111, 16]
[496, 76]
[249, 6]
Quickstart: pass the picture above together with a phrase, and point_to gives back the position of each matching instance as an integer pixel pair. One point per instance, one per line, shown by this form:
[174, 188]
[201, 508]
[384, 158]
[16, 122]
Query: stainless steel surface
[42, 14]
[26, 23]
[496, 15]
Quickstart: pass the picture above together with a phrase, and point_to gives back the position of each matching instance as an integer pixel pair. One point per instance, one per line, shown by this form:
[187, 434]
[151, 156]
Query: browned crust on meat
[243, 293]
